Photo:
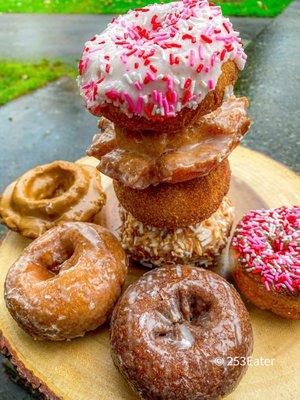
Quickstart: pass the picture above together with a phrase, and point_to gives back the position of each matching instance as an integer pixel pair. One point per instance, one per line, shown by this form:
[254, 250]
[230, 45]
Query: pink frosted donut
[265, 252]
[155, 61]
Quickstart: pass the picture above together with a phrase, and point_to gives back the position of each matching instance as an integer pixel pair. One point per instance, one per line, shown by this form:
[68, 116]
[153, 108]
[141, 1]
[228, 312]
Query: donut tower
[161, 80]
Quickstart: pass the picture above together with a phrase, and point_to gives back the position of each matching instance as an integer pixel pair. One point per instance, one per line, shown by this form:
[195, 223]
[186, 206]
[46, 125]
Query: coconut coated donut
[198, 244]
[265, 255]
[174, 331]
[66, 282]
[177, 205]
[151, 63]
[50, 194]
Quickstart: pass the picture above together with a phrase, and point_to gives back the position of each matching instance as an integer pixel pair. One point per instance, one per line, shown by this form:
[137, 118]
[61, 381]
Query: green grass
[260, 8]
[17, 78]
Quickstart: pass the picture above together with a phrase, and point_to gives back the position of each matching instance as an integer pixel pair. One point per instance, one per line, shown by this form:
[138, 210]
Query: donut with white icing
[66, 282]
[265, 258]
[175, 332]
[160, 66]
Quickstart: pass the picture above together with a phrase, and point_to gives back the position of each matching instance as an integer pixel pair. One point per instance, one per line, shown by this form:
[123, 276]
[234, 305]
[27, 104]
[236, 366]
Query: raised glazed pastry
[265, 253]
[158, 67]
[66, 282]
[50, 194]
[174, 332]
[142, 159]
[181, 204]
[199, 244]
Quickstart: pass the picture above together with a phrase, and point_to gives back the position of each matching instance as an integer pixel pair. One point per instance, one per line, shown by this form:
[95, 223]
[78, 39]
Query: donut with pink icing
[265, 252]
[174, 332]
[152, 63]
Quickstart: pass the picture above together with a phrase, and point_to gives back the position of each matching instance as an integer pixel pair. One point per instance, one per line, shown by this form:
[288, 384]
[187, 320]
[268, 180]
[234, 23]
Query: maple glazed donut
[174, 332]
[265, 256]
[177, 205]
[50, 194]
[159, 67]
[66, 282]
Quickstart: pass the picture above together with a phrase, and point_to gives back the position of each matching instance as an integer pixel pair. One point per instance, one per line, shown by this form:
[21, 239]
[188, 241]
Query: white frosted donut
[159, 59]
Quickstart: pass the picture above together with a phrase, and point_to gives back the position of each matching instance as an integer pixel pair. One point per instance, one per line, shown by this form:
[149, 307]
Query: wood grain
[82, 369]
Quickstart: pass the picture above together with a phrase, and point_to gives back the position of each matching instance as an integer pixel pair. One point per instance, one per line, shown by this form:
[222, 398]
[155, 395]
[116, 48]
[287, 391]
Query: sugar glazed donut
[140, 159]
[158, 67]
[265, 253]
[50, 194]
[199, 244]
[66, 282]
[177, 205]
[174, 332]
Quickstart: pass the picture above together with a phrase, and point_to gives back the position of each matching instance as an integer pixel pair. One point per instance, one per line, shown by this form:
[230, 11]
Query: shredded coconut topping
[197, 244]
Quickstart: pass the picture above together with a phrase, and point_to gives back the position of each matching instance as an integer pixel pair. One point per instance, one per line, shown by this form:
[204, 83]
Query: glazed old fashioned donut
[199, 244]
[158, 67]
[140, 159]
[265, 254]
[66, 282]
[174, 331]
[50, 194]
[177, 205]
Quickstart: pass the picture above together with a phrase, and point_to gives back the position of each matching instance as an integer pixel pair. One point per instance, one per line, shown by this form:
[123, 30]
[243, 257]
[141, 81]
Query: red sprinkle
[206, 39]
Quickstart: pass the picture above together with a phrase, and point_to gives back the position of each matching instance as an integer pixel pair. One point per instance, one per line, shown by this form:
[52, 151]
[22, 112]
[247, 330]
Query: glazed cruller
[162, 78]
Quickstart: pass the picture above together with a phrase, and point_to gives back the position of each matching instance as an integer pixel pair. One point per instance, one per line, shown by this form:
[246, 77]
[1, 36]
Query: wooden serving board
[83, 370]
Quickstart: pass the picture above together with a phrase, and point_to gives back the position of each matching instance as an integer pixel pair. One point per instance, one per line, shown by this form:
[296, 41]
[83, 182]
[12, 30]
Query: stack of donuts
[161, 78]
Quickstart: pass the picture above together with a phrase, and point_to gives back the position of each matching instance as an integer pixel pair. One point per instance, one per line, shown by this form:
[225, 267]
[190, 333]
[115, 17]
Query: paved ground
[271, 80]
[36, 36]
[51, 123]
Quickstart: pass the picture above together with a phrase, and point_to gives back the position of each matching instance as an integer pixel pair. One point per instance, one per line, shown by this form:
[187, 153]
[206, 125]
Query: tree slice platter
[82, 369]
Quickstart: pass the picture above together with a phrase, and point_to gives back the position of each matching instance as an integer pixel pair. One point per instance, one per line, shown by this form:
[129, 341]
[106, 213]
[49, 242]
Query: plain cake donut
[177, 205]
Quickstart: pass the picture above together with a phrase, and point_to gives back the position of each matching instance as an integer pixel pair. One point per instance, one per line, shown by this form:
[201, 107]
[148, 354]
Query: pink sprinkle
[192, 58]
[170, 82]
[166, 105]
[139, 105]
[129, 101]
[138, 85]
[200, 51]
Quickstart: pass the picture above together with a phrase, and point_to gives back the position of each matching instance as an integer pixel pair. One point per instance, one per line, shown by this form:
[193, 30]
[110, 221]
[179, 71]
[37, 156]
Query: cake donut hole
[50, 184]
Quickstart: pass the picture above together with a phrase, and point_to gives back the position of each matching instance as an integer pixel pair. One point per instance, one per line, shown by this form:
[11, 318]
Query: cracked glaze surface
[171, 329]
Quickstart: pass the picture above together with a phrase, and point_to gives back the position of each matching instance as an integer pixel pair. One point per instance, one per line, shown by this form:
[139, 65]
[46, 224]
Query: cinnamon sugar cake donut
[265, 255]
[158, 67]
[174, 332]
[199, 244]
[50, 194]
[66, 282]
[177, 205]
